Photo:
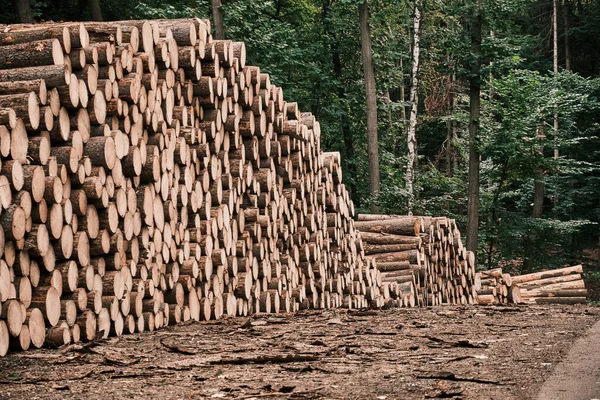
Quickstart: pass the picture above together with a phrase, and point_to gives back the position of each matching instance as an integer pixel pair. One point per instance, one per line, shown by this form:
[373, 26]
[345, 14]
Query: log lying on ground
[577, 269]
[560, 286]
[152, 177]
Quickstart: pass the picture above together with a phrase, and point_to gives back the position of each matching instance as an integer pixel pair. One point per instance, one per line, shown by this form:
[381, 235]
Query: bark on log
[32, 54]
[577, 269]
[400, 226]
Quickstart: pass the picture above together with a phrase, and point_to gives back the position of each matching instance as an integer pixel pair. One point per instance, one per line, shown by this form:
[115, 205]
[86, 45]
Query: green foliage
[518, 138]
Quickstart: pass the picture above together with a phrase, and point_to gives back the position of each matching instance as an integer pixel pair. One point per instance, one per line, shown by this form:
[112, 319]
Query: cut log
[37, 329]
[536, 276]
[399, 226]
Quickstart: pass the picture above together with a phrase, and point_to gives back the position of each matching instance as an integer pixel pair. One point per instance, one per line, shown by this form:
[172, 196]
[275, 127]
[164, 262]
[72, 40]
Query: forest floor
[473, 352]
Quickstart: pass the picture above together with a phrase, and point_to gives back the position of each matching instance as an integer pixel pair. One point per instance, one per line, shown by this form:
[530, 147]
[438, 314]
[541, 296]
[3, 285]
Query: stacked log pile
[557, 286]
[495, 287]
[425, 259]
[423, 255]
[395, 248]
[560, 286]
[149, 176]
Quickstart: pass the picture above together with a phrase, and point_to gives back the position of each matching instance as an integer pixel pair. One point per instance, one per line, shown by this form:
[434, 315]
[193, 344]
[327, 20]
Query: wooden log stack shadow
[149, 176]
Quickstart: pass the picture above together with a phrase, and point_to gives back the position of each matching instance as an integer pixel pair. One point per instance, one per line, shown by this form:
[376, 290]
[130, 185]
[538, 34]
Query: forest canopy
[534, 71]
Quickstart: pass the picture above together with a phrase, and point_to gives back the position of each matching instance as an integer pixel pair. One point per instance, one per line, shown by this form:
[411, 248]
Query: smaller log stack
[395, 249]
[557, 286]
[425, 251]
[495, 287]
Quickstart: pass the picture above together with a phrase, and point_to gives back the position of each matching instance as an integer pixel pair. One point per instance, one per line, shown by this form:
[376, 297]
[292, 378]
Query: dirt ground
[446, 352]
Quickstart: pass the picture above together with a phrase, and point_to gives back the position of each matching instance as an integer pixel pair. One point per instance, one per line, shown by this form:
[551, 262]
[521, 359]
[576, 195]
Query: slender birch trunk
[414, 102]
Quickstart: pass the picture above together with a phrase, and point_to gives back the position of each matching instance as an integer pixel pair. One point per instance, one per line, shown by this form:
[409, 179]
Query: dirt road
[445, 352]
[577, 376]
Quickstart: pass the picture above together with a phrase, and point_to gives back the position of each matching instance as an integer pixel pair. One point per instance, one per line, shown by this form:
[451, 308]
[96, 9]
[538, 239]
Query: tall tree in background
[451, 132]
[332, 42]
[402, 94]
[369, 78]
[539, 186]
[217, 14]
[95, 11]
[555, 62]
[23, 11]
[414, 104]
[566, 15]
[474, 114]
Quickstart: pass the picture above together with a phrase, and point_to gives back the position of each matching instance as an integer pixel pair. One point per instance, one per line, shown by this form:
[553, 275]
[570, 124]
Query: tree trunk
[95, 11]
[566, 14]
[23, 11]
[369, 77]
[555, 35]
[538, 193]
[475, 109]
[538, 185]
[414, 103]
[402, 94]
[538, 198]
[454, 128]
[344, 122]
[217, 14]
[451, 128]
[390, 119]
[555, 59]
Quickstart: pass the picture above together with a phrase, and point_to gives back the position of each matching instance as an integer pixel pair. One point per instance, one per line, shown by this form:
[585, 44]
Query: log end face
[37, 328]
[64, 123]
[53, 306]
[18, 223]
[66, 39]
[4, 339]
[100, 107]
[57, 52]
[38, 184]
[19, 143]
[84, 36]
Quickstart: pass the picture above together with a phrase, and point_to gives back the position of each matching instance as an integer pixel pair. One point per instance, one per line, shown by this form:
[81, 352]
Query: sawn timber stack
[149, 176]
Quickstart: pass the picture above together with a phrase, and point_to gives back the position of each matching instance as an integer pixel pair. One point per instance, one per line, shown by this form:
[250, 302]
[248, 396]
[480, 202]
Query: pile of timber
[557, 286]
[396, 253]
[495, 287]
[422, 256]
[560, 286]
[149, 176]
